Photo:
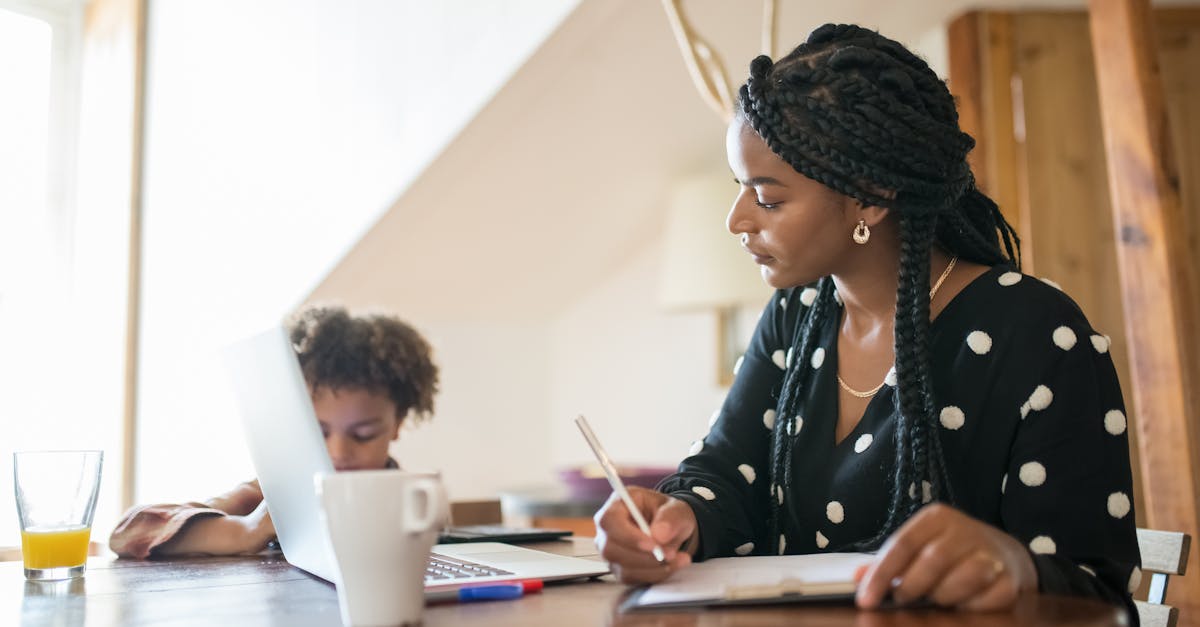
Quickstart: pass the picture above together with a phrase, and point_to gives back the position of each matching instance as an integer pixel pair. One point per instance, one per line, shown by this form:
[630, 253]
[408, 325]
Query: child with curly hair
[367, 375]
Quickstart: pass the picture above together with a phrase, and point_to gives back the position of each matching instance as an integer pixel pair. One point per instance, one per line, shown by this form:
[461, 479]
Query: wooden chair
[476, 512]
[1164, 553]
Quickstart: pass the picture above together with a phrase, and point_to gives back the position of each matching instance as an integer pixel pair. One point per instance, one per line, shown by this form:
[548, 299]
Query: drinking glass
[56, 498]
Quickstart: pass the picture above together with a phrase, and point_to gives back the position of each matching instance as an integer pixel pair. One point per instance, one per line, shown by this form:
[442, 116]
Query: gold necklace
[933, 292]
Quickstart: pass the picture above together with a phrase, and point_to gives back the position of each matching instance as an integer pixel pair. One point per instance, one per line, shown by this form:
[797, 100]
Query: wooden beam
[1158, 288]
[981, 79]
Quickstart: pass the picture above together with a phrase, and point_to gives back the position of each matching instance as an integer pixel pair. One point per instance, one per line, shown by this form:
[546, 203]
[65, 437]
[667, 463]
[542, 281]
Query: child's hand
[259, 528]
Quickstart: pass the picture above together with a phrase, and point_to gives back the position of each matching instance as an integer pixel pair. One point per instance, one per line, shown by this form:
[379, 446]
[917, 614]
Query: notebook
[287, 449]
[499, 533]
[755, 580]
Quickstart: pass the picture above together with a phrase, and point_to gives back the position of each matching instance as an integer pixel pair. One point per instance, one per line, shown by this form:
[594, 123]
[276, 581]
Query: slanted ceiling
[563, 175]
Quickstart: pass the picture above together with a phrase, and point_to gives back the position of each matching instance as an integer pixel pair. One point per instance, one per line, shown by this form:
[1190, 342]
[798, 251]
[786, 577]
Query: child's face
[357, 425]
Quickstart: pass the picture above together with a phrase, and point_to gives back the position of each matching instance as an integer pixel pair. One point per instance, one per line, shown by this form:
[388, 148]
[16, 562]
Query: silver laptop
[287, 448]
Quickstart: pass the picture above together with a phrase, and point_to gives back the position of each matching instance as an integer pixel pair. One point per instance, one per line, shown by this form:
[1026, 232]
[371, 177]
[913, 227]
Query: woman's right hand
[628, 550]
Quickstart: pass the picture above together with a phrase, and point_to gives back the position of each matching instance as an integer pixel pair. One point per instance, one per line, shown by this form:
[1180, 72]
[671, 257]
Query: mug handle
[415, 523]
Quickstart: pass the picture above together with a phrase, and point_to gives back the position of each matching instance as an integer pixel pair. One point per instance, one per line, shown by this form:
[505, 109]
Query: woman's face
[358, 425]
[796, 228]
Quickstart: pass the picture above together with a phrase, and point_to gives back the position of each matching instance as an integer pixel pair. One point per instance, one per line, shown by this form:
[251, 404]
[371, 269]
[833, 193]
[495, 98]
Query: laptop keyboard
[442, 568]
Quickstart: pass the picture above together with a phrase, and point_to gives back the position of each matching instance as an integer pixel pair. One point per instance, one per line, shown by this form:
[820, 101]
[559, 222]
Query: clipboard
[759, 580]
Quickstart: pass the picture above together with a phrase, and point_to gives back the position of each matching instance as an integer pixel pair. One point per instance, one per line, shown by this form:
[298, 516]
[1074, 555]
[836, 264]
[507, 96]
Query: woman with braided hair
[907, 389]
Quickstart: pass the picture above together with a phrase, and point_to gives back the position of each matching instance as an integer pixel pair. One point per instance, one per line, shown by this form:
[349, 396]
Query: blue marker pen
[493, 592]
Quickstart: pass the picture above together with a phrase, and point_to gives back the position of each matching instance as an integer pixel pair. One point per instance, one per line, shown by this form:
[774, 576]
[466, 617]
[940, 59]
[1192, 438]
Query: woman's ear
[870, 214]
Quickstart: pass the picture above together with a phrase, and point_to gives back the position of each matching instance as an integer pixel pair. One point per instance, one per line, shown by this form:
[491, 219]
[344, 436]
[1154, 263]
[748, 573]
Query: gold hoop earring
[862, 232]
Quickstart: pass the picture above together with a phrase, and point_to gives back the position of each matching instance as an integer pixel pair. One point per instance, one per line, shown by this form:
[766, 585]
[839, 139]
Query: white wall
[645, 379]
[277, 132]
[489, 431]
[276, 138]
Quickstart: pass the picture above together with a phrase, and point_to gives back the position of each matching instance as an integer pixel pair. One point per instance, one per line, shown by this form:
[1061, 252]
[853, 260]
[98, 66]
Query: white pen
[614, 480]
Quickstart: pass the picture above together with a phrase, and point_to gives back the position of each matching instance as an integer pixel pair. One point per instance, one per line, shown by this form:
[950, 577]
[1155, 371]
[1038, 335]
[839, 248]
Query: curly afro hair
[375, 352]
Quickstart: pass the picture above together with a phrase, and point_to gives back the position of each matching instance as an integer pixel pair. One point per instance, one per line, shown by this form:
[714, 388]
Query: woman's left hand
[951, 559]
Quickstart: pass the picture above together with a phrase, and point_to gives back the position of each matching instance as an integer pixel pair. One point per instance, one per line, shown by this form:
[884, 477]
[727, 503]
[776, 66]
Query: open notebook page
[733, 577]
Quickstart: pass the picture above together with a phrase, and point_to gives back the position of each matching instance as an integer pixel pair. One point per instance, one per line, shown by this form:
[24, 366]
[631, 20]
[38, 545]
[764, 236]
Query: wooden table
[264, 590]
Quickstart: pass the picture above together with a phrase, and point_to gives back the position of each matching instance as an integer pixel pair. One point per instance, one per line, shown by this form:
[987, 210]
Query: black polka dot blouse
[1032, 427]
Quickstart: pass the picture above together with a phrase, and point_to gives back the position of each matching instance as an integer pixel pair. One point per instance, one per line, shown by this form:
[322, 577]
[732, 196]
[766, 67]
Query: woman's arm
[726, 477]
[1066, 521]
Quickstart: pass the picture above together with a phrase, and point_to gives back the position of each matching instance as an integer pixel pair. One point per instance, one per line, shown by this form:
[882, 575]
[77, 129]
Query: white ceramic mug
[382, 525]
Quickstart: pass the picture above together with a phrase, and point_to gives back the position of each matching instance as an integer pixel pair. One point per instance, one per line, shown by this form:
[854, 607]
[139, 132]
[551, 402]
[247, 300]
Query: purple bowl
[589, 483]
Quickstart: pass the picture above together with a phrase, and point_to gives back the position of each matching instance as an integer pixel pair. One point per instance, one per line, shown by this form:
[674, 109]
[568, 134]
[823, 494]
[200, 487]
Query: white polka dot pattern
[745, 549]
[1032, 474]
[779, 359]
[1009, 279]
[787, 361]
[822, 541]
[953, 418]
[890, 377]
[818, 358]
[1135, 579]
[1087, 569]
[1118, 505]
[737, 365]
[783, 303]
[808, 296]
[748, 472]
[779, 494]
[769, 419]
[1003, 483]
[863, 442]
[1052, 284]
[1100, 343]
[1039, 400]
[704, 492]
[1114, 422]
[797, 423]
[782, 544]
[716, 415]
[979, 342]
[1043, 545]
[1064, 338]
[835, 513]
[697, 446]
[926, 491]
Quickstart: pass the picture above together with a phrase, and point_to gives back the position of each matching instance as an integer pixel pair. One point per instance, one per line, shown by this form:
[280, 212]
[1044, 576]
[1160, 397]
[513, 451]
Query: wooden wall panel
[1158, 279]
[1060, 166]
[1065, 173]
[980, 78]
[1178, 37]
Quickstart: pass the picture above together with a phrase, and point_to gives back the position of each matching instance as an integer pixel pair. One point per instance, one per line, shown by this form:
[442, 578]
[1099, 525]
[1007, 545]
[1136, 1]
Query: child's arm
[222, 535]
[232, 523]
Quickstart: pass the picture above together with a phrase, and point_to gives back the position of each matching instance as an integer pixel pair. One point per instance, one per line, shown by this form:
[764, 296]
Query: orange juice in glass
[56, 498]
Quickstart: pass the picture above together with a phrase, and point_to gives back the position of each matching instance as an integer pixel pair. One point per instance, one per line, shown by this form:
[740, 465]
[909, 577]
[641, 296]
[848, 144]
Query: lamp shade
[703, 266]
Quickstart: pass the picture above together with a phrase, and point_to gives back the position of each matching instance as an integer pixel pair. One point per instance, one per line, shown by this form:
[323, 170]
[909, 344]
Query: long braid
[796, 378]
[864, 116]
